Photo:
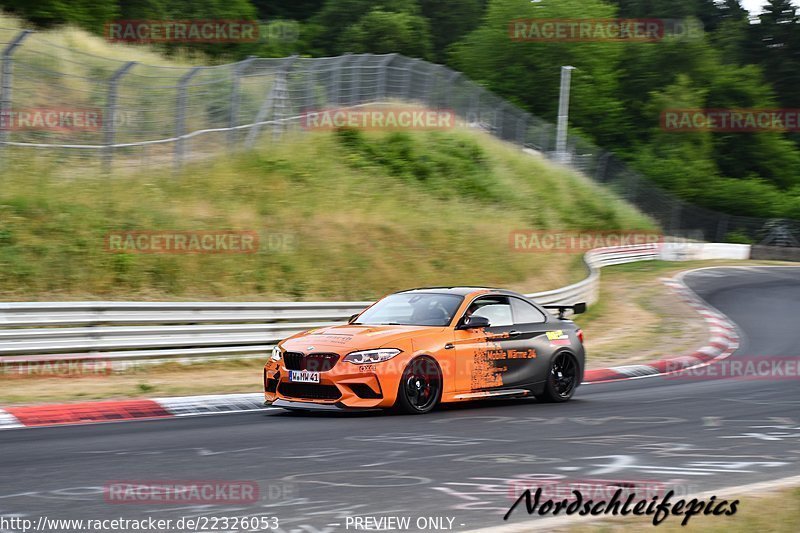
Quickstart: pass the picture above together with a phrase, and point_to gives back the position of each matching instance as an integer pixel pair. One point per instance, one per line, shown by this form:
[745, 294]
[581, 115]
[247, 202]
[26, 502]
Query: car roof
[463, 290]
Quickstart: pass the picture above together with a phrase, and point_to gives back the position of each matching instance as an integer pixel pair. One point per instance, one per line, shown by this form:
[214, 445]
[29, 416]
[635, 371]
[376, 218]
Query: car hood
[348, 338]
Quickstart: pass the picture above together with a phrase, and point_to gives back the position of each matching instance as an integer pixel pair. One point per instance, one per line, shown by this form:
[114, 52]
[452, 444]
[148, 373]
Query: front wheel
[562, 379]
[420, 387]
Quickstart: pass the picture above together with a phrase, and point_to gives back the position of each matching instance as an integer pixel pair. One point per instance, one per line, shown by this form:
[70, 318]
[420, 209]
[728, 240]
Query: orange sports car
[414, 349]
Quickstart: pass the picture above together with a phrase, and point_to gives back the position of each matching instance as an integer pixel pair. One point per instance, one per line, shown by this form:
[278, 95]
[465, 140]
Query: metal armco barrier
[127, 333]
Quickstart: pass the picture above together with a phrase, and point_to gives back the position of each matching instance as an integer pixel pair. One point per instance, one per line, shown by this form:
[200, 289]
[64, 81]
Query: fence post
[233, 120]
[109, 119]
[383, 74]
[475, 107]
[311, 85]
[497, 121]
[431, 74]
[180, 115]
[355, 80]
[410, 72]
[269, 100]
[448, 93]
[600, 171]
[522, 129]
[5, 91]
[337, 78]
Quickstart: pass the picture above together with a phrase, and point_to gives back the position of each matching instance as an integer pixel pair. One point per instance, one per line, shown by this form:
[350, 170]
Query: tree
[528, 73]
[287, 9]
[777, 49]
[450, 20]
[328, 27]
[89, 14]
[382, 32]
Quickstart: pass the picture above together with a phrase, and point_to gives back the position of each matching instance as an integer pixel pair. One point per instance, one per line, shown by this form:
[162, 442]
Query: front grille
[309, 391]
[313, 362]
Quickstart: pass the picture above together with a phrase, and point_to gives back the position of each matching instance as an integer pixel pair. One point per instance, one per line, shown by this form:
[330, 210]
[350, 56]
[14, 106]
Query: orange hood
[348, 338]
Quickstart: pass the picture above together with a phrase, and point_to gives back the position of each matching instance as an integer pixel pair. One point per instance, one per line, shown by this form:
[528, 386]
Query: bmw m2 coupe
[415, 349]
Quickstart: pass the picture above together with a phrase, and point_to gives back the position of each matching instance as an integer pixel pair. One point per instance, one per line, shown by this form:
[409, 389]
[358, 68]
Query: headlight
[371, 356]
[276, 354]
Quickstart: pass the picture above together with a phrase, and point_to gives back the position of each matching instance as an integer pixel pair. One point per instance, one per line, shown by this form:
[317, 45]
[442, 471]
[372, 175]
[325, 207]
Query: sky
[754, 6]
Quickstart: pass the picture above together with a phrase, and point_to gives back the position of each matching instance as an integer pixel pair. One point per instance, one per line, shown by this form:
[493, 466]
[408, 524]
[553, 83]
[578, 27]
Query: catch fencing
[157, 116]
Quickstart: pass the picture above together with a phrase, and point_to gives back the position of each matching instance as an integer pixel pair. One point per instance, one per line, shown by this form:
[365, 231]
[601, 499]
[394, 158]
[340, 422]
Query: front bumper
[344, 387]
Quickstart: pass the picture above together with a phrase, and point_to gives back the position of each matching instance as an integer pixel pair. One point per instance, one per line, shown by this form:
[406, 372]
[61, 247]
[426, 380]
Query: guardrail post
[180, 116]
[7, 85]
[233, 119]
[383, 74]
[269, 100]
[109, 119]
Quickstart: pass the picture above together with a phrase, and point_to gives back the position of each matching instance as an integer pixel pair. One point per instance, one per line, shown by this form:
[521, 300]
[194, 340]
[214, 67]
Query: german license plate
[303, 376]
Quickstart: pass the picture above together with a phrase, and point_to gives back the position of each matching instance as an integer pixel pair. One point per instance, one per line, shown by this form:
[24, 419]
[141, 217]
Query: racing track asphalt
[460, 462]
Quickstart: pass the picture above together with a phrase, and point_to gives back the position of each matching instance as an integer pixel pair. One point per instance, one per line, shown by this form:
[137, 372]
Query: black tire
[562, 379]
[420, 387]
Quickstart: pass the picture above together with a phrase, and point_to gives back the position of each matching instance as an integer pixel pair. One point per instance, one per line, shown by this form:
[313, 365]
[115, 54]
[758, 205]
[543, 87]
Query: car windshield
[412, 309]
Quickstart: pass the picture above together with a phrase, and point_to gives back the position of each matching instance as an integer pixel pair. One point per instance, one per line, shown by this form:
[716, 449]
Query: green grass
[365, 215]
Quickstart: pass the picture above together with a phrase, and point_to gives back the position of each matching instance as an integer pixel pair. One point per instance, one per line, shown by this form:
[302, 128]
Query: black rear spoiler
[577, 308]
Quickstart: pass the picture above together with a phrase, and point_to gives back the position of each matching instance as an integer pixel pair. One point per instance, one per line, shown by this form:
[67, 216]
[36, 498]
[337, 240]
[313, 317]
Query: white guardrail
[128, 333]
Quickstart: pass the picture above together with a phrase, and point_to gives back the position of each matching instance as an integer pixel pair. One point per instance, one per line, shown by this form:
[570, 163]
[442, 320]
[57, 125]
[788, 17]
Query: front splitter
[311, 406]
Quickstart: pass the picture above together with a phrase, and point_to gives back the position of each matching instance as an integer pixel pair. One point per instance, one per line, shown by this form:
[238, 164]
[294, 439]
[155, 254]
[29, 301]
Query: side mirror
[474, 322]
[352, 318]
[579, 308]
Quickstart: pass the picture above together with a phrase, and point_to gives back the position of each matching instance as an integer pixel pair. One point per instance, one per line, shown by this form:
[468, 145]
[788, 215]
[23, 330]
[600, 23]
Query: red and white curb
[723, 342]
[115, 411]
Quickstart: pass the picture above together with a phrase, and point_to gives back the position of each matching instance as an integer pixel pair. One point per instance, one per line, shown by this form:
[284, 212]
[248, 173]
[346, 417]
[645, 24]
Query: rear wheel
[420, 387]
[562, 379]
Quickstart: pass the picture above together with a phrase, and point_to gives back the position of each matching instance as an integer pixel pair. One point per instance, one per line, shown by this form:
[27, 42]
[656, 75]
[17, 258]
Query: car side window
[525, 313]
[495, 308]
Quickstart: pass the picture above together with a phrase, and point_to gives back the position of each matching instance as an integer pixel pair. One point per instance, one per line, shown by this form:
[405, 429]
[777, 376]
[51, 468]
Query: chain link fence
[156, 116]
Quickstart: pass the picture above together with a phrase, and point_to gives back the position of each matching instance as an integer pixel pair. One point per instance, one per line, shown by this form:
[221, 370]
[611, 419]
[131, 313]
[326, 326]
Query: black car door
[527, 345]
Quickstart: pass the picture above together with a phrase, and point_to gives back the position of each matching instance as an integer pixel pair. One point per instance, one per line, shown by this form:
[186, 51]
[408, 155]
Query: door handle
[514, 333]
[449, 346]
